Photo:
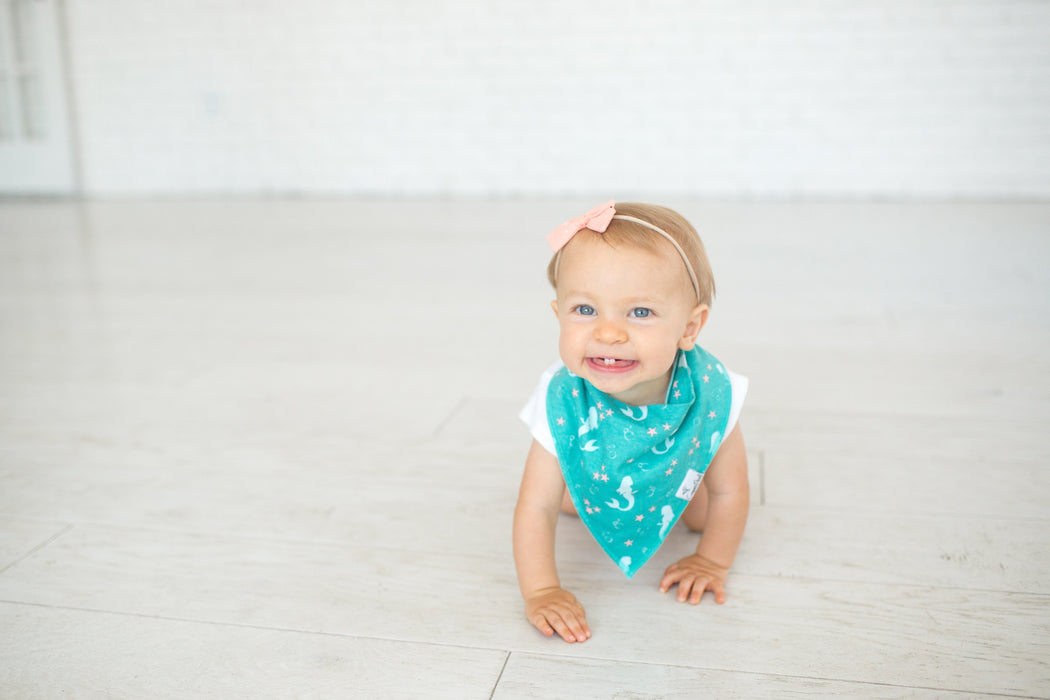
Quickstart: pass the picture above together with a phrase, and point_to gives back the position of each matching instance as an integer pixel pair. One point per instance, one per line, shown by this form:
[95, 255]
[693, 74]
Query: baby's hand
[556, 610]
[694, 575]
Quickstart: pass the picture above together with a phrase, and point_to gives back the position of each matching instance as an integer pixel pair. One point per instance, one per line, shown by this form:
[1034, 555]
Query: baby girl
[634, 416]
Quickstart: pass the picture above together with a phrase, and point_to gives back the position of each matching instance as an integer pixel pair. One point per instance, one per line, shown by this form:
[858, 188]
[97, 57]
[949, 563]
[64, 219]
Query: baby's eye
[584, 310]
[641, 312]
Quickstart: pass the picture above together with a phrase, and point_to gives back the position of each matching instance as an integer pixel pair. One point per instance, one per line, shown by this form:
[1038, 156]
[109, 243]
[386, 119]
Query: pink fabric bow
[596, 219]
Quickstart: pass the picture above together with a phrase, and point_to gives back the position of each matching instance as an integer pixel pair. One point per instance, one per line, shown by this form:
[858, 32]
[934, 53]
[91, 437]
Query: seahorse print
[667, 445]
[629, 412]
[667, 516]
[626, 492]
[591, 423]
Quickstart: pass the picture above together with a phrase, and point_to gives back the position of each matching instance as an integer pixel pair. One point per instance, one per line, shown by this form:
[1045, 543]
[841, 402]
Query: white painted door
[35, 146]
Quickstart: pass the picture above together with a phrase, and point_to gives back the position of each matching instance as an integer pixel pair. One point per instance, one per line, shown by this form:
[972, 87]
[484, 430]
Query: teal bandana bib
[632, 470]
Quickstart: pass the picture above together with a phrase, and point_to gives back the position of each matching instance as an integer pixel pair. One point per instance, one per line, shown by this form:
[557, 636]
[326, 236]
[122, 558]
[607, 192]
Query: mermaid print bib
[632, 470]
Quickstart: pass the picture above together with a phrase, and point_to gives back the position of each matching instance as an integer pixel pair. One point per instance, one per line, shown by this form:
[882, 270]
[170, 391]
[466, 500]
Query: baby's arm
[728, 500]
[547, 605]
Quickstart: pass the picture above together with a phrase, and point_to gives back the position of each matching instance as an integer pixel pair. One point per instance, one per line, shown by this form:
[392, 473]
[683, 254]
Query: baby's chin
[628, 388]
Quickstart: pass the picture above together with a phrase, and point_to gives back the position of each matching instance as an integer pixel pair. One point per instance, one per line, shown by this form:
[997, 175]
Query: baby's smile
[611, 364]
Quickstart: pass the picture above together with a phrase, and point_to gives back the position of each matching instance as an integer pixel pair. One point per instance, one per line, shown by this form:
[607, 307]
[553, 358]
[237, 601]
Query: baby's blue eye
[584, 310]
[641, 312]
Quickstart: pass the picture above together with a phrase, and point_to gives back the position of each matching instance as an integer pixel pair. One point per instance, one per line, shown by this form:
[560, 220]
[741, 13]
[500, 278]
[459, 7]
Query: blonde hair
[624, 232]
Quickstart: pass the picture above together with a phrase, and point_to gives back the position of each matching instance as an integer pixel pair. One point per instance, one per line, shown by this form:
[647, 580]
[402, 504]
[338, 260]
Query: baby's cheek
[565, 346]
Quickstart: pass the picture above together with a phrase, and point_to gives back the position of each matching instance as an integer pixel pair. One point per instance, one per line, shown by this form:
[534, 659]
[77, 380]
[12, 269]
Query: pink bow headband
[598, 220]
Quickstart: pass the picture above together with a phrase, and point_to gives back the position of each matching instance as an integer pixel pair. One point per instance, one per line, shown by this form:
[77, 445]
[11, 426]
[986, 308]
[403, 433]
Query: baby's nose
[610, 332]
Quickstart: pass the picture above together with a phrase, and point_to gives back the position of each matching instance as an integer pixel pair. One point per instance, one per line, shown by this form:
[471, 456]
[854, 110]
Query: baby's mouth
[610, 364]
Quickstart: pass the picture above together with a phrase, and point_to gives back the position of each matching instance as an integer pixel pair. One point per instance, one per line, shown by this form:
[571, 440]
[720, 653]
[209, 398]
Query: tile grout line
[559, 657]
[448, 418]
[36, 549]
[246, 626]
[256, 538]
[500, 676]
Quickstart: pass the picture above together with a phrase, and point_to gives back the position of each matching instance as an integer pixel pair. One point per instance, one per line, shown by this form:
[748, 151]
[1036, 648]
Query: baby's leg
[695, 515]
[567, 506]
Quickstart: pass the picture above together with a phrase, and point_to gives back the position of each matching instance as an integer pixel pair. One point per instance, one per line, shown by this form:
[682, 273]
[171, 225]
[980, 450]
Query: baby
[633, 417]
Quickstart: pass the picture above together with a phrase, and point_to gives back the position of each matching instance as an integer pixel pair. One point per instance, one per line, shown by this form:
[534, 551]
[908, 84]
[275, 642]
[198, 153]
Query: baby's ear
[554, 305]
[697, 319]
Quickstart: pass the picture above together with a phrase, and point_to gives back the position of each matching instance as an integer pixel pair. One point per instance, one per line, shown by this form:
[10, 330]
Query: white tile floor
[269, 448]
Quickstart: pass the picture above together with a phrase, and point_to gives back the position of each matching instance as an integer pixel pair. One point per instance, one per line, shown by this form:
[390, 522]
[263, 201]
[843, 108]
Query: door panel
[35, 146]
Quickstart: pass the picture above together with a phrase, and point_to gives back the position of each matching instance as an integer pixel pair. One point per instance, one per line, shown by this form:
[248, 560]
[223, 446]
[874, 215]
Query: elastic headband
[597, 220]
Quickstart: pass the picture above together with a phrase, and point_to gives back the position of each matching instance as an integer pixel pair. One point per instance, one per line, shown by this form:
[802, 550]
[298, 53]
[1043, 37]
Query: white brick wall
[700, 97]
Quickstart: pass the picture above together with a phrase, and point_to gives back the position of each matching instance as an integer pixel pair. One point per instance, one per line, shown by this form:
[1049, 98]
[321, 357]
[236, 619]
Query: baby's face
[624, 313]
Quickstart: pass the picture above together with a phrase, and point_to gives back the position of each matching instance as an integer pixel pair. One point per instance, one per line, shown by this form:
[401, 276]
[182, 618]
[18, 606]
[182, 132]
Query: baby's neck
[648, 393]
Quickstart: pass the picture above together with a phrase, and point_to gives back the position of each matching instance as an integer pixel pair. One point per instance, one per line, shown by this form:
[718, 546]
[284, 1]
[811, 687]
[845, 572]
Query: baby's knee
[695, 526]
[695, 514]
[567, 506]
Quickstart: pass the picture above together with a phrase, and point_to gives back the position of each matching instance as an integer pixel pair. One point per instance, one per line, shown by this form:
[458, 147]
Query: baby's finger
[699, 586]
[671, 577]
[686, 585]
[540, 622]
[562, 628]
[578, 625]
[576, 630]
[719, 590]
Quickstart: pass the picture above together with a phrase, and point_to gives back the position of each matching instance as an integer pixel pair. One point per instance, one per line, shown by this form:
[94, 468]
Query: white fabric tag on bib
[689, 485]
